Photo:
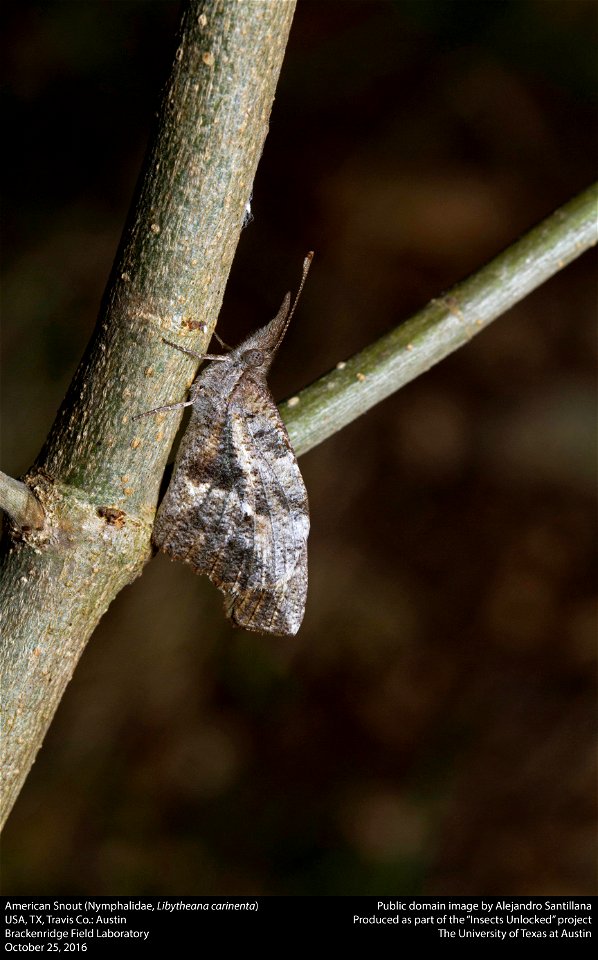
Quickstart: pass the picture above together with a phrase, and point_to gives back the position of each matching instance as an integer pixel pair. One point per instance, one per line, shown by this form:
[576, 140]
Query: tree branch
[98, 474]
[442, 326]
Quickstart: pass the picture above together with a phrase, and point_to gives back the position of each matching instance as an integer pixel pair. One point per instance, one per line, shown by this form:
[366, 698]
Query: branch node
[17, 500]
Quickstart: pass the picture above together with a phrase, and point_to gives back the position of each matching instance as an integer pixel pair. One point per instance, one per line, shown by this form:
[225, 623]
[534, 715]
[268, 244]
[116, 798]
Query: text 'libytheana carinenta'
[236, 507]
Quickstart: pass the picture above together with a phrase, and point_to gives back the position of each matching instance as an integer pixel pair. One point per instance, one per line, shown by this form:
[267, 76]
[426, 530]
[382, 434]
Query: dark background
[431, 728]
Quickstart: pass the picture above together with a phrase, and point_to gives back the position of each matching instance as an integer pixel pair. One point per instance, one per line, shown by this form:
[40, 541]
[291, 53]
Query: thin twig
[442, 326]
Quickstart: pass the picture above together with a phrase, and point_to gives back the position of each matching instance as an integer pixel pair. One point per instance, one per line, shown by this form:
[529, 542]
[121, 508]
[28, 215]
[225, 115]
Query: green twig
[442, 326]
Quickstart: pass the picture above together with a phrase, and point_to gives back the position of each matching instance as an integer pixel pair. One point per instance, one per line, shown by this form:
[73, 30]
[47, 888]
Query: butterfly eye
[253, 358]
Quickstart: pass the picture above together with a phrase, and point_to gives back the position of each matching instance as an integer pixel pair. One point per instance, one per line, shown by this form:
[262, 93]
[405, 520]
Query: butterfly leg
[169, 406]
[191, 353]
[224, 345]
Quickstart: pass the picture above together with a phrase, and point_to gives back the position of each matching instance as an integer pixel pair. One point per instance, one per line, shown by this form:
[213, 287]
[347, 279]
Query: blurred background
[431, 729]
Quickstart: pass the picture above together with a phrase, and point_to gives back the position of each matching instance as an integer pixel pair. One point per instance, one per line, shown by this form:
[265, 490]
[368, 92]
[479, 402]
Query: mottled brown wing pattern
[270, 590]
[203, 487]
[236, 508]
[237, 511]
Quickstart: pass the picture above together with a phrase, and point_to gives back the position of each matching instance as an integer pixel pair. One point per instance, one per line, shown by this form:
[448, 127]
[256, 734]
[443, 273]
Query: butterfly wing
[270, 589]
[204, 488]
[237, 510]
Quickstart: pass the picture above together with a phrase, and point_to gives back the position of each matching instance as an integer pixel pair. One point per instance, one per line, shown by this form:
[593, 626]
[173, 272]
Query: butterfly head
[253, 358]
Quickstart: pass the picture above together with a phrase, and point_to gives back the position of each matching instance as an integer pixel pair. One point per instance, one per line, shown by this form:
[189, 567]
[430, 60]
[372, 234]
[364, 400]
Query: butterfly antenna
[306, 266]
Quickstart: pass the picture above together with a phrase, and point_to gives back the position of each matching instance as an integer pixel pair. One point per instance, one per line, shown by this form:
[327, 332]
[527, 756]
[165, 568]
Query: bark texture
[98, 475]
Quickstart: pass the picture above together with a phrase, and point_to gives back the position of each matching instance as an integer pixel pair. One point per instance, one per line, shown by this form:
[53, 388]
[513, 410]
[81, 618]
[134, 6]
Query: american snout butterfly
[236, 508]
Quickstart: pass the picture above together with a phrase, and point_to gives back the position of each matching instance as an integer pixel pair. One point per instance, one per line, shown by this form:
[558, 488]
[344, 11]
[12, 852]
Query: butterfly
[236, 508]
